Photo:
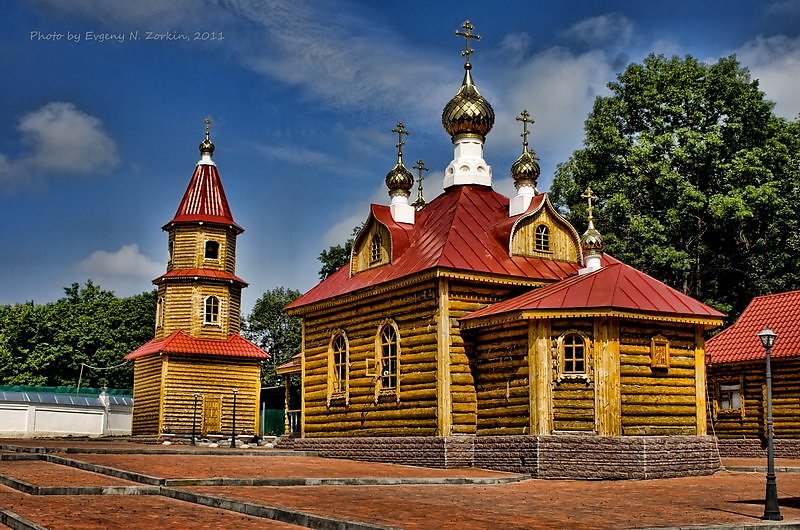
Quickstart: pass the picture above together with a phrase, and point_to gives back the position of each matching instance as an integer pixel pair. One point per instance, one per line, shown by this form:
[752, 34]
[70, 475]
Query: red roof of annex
[740, 342]
[614, 286]
[179, 343]
[466, 228]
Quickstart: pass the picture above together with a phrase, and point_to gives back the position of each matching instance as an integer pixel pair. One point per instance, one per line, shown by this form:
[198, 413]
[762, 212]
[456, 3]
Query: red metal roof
[206, 274]
[740, 342]
[293, 365]
[457, 230]
[179, 343]
[614, 286]
[204, 200]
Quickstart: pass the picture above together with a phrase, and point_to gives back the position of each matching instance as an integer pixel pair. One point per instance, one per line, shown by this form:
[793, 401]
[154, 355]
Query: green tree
[696, 179]
[336, 256]
[269, 326]
[46, 344]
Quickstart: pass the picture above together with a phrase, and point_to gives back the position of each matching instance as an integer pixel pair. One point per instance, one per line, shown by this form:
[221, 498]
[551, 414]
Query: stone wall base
[756, 448]
[554, 456]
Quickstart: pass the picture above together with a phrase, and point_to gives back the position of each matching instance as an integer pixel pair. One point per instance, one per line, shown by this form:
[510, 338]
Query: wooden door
[212, 414]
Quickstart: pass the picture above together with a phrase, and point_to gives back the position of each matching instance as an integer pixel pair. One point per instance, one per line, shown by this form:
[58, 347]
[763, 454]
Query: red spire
[204, 200]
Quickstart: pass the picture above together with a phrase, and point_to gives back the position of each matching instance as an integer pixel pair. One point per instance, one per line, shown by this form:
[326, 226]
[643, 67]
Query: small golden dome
[468, 112]
[399, 179]
[207, 146]
[592, 240]
[525, 169]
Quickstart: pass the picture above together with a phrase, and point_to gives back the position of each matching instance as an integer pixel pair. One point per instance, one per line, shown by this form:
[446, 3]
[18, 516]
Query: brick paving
[726, 498]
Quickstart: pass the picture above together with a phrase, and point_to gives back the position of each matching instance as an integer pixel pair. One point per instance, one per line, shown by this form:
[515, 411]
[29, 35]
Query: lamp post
[771, 510]
[194, 419]
[233, 423]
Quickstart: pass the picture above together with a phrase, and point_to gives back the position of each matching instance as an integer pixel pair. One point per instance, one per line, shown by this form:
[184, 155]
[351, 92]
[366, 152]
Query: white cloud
[775, 62]
[127, 262]
[298, 155]
[786, 7]
[155, 14]
[602, 30]
[61, 140]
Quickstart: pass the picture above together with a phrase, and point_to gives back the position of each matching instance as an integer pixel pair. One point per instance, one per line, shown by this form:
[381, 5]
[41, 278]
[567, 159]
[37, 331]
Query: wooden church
[484, 330]
[198, 369]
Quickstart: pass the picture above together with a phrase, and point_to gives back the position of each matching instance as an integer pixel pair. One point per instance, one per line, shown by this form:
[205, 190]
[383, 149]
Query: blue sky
[98, 138]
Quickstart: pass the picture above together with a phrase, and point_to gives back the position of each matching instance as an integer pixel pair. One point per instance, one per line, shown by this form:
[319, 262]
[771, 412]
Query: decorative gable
[372, 247]
[541, 232]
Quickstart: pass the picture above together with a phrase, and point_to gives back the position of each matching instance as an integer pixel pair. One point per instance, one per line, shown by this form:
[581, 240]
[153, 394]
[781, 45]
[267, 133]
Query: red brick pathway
[731, 498]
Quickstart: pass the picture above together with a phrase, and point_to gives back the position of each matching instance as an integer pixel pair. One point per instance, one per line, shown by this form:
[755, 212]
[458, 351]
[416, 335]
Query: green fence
[272, 422]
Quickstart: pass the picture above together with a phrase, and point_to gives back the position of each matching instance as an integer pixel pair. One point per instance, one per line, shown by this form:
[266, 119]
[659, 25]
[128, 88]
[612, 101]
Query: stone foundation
[756, 448]
[555, 456]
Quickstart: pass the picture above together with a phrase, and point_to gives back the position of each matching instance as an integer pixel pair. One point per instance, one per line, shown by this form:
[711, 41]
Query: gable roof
[615, 286]
[740, 342]
[180, 343]
[456, 231]
[204, 199]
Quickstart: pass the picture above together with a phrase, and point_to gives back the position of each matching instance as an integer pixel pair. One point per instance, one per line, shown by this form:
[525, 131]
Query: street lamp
[194, 419]
[771, 510]
[233, 423]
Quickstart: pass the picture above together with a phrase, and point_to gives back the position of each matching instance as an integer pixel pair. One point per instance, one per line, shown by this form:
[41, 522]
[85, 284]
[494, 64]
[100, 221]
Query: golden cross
[589, 196]
[467, 34]
[207, 121]
[400, 130]
[525, 118]
[420, 167]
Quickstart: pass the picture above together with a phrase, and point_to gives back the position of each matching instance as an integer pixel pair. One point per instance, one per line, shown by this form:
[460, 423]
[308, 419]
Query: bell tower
[200, 293]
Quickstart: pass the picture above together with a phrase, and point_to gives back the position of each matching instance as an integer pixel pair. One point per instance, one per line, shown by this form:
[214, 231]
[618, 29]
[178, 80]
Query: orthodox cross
[589, 196]
[525, 118]
[420, 167]
[400, 130]
[467, 34]
[207, 121]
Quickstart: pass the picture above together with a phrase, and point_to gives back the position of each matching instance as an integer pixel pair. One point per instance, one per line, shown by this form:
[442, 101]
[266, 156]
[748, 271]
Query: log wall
[188, 247]
[573, 397]
[186, 375]
[502, 379]
[750, 422]
[146, 395]
[412, 410]
[184, 306]
[657, 401]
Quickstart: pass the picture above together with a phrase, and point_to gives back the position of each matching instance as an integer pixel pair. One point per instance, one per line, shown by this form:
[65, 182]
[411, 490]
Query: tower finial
[592, 240]
[400, 129]
[467, 34]
[525, 118]
[207, 146]
[419, 202]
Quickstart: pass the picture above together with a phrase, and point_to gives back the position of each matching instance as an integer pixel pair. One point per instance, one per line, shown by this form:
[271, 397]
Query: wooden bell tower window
[339, 350]
[542, 242]
[211, 312]
[212, 250]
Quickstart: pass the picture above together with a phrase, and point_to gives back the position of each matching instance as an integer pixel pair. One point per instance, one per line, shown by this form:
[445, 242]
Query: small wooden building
[198, 365]
[483, 330]
[737, 381]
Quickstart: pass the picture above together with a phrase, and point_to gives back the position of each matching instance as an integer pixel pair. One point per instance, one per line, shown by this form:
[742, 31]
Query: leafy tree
[269, 326]
[696, 179]
[336, 256]
[46, 344]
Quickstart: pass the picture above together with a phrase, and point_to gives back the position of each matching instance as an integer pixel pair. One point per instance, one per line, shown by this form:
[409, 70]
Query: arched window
[388, 357]
[375, 249]
[339, 364]
[212, 250]
[160, 312]
[211, 313]
[573, 354]
[543, 238]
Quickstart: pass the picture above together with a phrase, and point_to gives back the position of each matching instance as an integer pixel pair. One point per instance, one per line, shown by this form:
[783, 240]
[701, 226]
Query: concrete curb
[17, 522]
[222, 481]
[270, 512]
[760, 469]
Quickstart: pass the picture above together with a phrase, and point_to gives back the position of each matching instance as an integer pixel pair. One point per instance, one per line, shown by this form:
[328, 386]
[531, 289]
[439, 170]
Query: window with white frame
[211, 311]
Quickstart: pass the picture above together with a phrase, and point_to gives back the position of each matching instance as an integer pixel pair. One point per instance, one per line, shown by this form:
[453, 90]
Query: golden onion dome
[468, 113]
[207, 146]
[525, 170]
[592, 240]
[399, 179]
